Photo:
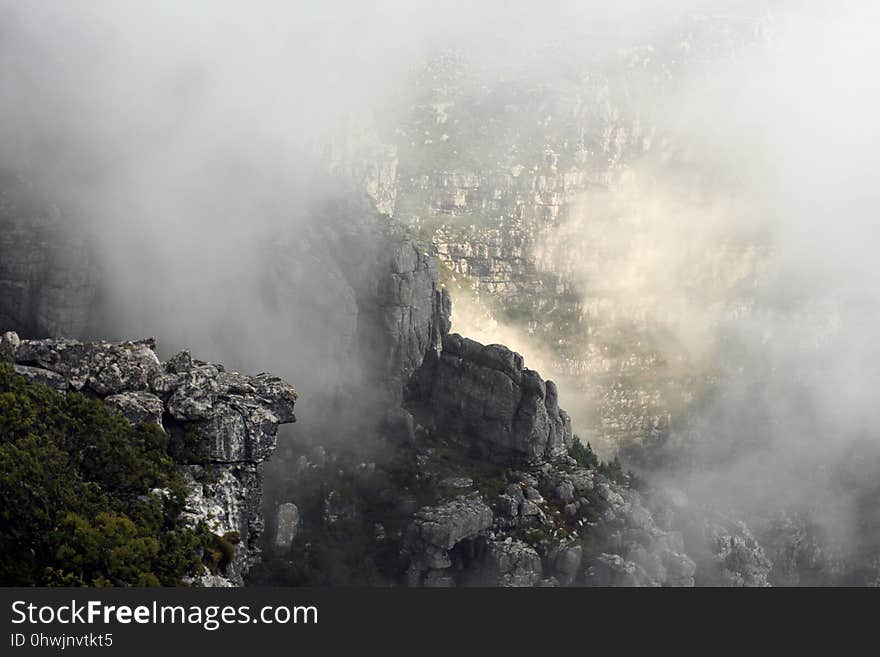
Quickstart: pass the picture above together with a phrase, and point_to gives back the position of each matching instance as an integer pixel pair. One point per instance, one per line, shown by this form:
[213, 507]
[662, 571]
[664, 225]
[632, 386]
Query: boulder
[515, 563]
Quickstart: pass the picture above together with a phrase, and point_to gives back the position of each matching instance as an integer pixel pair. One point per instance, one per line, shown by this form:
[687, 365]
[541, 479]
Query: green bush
[86, 499]
[586, 457]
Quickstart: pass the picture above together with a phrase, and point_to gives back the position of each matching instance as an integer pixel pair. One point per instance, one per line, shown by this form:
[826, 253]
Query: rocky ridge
[222, 424]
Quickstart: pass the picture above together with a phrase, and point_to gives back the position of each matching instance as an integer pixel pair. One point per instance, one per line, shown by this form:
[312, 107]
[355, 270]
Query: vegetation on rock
[87, 499]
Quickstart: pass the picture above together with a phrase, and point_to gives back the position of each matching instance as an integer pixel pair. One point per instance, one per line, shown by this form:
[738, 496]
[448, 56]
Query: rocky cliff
[426, 458]
[534, 180]
[222, 424]
[484, 396]
[472, 484]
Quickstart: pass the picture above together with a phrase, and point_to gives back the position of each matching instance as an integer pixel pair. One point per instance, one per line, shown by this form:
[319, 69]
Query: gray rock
[453, 483]
[194, 394]
[105, 368]
[445, 525]
[515, 492]
[516, 563]
[507, 507]
[485, 393]
[287, 520]
[399, 426]
[566, 562]
[137, 407]
[613, 570]
[565, 491]
[180, 363]
[436, 530]
[45, 377]
[236, 419]
[582, 480]
[9, 342]
[533, 495]
[524, 478]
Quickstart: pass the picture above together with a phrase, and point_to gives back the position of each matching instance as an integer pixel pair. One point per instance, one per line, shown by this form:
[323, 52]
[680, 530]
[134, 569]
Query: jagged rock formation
[436, 530]
[556, 524]
[222, 424]
[485, 393]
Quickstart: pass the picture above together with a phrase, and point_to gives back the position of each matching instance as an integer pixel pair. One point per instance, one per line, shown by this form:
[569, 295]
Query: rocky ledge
[222, 425]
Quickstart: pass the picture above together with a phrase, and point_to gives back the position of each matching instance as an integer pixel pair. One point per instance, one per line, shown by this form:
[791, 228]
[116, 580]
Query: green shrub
[86, 499]
[585, 456]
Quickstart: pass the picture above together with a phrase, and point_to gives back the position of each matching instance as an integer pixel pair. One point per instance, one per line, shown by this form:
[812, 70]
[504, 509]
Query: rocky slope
[423, 457]
[222, 424]
[481, 491]
[435, 461]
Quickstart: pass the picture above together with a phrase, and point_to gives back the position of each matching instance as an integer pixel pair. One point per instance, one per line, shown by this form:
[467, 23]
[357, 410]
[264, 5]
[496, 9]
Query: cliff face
[401, 310]
[521, 174]
[222, 424]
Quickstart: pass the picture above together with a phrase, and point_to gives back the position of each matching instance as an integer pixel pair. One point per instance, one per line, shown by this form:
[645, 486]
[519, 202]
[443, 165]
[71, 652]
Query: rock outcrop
[436, 530]
[536, 516]
[222, 425]
[486, 396]
[555, 524]
[524, 209]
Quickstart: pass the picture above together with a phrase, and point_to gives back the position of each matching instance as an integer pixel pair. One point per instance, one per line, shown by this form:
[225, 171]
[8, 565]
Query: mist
[790, 425]
[747, 244]
[198, 146]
